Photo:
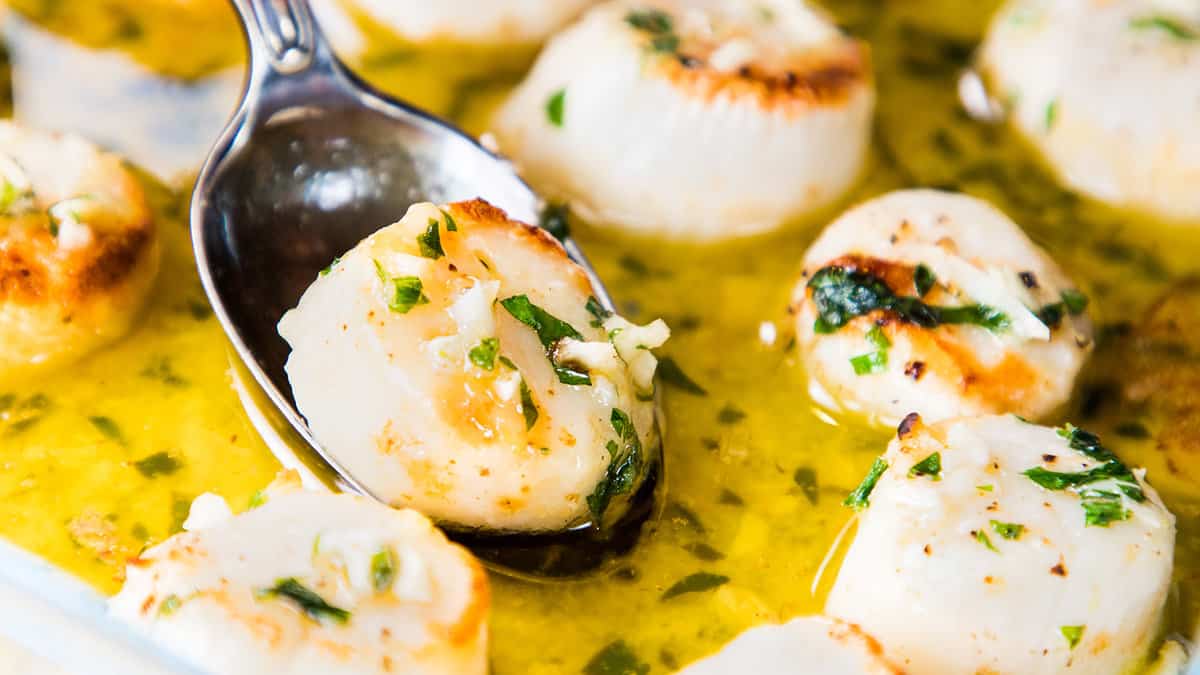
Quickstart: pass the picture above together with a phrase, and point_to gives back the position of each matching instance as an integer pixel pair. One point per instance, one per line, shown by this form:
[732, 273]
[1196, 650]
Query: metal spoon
[312, 161]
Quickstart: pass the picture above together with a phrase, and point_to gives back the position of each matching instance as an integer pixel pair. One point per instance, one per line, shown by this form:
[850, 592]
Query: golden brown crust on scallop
[35, 271]
[475, 614]
[1004, 386]
[478, 214]
[826, 77]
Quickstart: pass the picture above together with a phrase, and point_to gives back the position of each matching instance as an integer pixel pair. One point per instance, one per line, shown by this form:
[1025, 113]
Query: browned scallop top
[825, 77]
[479, 216]
[35, 270]
[940, 352]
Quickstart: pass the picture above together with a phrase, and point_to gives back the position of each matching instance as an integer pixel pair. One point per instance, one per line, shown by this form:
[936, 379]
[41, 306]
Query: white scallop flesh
[978, 257]
[500, 443]
[496, 22]
[1109, 92]
[413, 602]
[744, 116]
[839, 647]
[979, 569]
[78, 249]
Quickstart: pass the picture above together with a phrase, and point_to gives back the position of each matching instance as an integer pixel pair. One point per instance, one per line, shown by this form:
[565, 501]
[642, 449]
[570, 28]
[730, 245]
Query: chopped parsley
[617, 658]
[730, 414]
[528, 408]
[650, 21]
[599, 314]
[1073, 634]
[1168, 25]
[550, 330]
[1073, 303]
[554, 107]
[158, 464]
[330, 267]
[430, 241]
[625, 462]
[859, 498]
[405, 292]
[1101, 507]
[670, 373]
[383, 570]
[1051, 114]
[981, 537]
[106, 426]
[985, 488]
[876, 361]
[806, 478]
[930, 466]
[451, 226]
[841, 294]
[658, 25]
[1007, 530]
[923, 280]
[309, 602]
[695, 583]
[484, 353]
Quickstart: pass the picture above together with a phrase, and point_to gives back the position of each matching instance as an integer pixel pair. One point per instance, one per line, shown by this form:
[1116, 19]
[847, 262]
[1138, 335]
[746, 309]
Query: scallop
[310, 583]
[841, 649]
[457, 362]
[78, 249]
[695, 119]
[937, 302]
[350, 23]
[1109, 92]
[992, 545]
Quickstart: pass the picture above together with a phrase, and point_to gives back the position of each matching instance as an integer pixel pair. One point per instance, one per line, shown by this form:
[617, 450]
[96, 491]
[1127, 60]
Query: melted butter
[755, 470]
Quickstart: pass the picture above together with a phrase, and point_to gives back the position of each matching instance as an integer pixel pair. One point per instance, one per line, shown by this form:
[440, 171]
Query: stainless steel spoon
[312, 161]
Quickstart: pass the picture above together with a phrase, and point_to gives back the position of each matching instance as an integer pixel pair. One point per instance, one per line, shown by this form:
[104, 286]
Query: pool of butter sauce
[755, 470]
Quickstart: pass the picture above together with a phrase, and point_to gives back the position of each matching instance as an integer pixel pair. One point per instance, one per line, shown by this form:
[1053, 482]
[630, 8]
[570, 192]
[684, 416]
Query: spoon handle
[282, 35]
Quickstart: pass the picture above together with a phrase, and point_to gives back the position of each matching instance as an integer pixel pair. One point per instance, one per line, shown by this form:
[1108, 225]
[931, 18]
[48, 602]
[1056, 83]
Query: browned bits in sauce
[914, 369]
[1048, 458]
[928, 549]
[1059, 569]
[906, 425]
[1029, 280]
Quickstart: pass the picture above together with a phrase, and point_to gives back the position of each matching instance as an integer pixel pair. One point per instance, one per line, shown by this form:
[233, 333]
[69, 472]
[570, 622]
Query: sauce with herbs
[103, 458]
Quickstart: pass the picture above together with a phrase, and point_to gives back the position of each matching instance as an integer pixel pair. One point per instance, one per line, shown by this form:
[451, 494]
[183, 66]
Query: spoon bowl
[312, 161]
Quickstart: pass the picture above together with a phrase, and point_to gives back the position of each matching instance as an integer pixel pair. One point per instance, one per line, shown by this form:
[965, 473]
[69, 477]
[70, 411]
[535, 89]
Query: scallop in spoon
[312, 161]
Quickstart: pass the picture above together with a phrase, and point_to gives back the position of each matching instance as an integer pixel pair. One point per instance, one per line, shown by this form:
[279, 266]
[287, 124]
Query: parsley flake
[554, 107]
[1007, 530]
[1073, 634]
[383, 570]
[430, 241]
[484, 353]
[309, 602]
[550, 330]
[930, 466]
[859, 498]
[405, 292]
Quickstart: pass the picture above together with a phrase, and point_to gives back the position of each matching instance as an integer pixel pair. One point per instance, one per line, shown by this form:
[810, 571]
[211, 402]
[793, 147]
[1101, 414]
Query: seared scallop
[840, 648]
[937, 302]
[1109, 92]
[458, 363]
[78, 249]
[991, 545]
[311, 583]
[350, 23]
[693, 118]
